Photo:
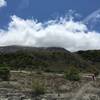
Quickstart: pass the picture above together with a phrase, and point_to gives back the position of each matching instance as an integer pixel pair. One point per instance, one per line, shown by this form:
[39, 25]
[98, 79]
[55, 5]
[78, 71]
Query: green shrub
[38, 87]
[72, 74]
[96, 72]
[4, 73]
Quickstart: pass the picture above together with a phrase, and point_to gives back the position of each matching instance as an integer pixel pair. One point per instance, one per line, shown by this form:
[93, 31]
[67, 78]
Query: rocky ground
[57, 87]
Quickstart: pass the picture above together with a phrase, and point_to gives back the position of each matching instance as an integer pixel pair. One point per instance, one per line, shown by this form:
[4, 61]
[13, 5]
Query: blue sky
[71, 24]
[45, 9]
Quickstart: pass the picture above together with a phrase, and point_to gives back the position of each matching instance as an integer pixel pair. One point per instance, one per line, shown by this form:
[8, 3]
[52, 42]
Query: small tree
[72, 74]
[96, 72]
[38, 87]
[4, 73]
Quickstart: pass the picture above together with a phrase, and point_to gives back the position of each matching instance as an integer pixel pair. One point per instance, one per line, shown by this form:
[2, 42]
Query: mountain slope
[91, 56]
[47, 59]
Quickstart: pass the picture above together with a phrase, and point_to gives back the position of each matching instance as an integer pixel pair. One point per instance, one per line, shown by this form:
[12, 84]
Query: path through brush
[81, 91]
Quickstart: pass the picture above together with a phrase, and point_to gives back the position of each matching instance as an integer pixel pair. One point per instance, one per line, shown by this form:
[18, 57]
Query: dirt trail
[81, 91]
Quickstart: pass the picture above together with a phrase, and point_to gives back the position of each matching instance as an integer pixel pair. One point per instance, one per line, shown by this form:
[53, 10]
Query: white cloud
[60, 33]
[3, 3]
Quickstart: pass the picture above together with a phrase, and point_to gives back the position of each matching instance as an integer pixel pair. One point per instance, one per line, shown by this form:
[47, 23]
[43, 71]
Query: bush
[38, 87]
[72, 74]
[4, 73]
[96, 72]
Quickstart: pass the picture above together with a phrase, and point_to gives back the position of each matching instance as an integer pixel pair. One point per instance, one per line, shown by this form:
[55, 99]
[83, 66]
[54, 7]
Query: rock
[90, 97]
[64, 88]
[43, 99]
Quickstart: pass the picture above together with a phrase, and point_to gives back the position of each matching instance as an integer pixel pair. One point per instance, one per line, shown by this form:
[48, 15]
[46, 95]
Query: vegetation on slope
[91, 56]
[46, 59]
[4, 73]
[72, 74]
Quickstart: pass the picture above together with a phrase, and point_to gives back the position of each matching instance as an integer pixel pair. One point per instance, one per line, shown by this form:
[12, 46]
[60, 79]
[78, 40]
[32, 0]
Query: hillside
[91, 56]
[46, 59]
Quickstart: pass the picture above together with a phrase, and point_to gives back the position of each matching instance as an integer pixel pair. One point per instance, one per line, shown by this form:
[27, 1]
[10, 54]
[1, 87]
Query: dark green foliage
[45, 59]
[91, 56]
[72, 74]
[4, 73]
